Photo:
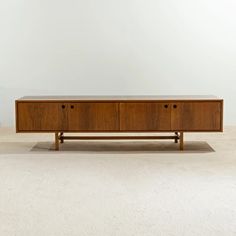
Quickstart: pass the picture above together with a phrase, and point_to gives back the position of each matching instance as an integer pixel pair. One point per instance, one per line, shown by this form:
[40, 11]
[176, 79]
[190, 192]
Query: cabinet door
[93, 116]
[145, 116]
[196, 116]
[41, 116]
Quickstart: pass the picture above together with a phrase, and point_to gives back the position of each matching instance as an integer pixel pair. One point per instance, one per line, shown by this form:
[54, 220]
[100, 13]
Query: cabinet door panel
[93, 116]
[41, 116]
[145, 116]
[196, 116]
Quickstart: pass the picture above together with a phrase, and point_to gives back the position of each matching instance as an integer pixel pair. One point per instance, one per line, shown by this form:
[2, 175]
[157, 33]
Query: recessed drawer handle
[166, 106]
[72, 106]
[175, 106]
[63, 106]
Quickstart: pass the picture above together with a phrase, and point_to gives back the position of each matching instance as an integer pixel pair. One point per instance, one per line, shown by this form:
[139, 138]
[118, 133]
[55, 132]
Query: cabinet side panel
[16, 116]
[222, 116]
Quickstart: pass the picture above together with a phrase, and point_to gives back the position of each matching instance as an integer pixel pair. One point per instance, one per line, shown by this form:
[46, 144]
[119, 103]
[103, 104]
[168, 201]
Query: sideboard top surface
[122, 98]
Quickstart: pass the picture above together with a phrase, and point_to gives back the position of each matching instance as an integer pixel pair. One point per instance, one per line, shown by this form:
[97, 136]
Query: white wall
[117, 47]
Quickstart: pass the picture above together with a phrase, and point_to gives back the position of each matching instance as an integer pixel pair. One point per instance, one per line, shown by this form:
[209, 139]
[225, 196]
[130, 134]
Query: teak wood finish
[145, 116]
[93, 116]
[196, 116]
[176, 114]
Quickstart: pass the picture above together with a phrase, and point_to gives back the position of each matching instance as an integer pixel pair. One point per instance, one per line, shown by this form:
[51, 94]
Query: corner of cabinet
[16, 116]
[222, 116]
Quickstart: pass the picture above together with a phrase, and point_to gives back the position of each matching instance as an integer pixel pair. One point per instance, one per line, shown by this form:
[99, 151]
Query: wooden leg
[181, 143]
[61, 135]
[176, 139]
[56, 141]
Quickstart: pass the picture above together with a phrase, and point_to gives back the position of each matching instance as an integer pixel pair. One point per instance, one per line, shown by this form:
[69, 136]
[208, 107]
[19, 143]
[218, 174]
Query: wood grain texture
[148, 116]
[145, 116]
[194, 116]
[93, 116]
[41, 116]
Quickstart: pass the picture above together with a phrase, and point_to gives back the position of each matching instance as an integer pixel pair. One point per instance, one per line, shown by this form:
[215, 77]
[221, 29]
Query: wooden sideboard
[117, 114]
